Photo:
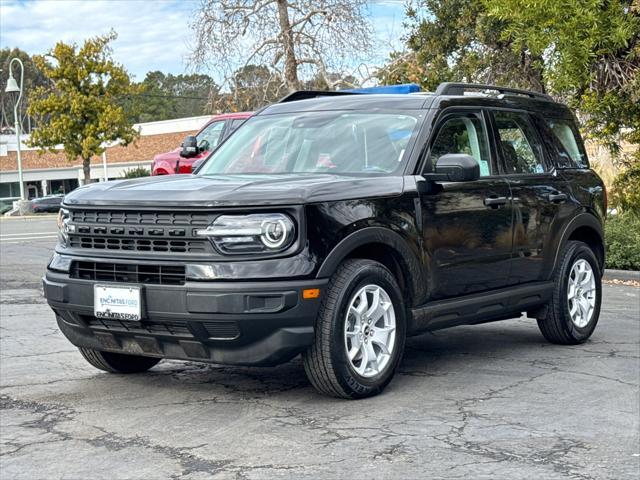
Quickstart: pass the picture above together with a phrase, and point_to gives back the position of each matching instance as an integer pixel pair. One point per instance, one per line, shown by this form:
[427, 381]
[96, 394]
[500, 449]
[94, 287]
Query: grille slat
[138, 244]
[129, 273]
[146, 218]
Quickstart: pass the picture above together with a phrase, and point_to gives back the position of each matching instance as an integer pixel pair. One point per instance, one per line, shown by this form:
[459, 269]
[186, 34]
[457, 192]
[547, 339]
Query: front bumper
[232, 323]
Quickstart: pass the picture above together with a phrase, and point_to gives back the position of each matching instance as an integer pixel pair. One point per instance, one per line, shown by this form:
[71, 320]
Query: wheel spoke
[584, 310]
[353, 353]
[364, 360]
[375, 303]
[371, 356]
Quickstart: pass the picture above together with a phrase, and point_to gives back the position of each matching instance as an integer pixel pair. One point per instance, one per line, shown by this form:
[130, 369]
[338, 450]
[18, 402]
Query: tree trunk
[290, 62]
[86, 168]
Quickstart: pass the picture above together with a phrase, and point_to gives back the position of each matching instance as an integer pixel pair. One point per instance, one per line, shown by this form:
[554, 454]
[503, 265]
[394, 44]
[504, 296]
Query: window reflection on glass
[316, 142]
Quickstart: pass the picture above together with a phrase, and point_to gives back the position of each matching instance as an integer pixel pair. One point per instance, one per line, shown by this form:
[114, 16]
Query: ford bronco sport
[334, 226]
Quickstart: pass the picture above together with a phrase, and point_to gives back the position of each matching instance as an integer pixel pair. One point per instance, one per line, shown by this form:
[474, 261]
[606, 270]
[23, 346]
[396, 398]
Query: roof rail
[454, 88]
[306, 94]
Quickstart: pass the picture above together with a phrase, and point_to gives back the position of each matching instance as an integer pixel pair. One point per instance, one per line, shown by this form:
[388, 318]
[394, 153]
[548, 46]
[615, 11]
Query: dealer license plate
[117, 303]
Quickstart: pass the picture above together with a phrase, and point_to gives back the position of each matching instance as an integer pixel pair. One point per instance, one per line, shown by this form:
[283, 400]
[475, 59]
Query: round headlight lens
[274, 233]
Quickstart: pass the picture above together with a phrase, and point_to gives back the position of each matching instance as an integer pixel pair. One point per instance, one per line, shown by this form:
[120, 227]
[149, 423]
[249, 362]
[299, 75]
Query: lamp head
[12, 85]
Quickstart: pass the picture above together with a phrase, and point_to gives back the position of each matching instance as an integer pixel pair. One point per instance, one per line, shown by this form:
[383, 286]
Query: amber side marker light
[309, 293]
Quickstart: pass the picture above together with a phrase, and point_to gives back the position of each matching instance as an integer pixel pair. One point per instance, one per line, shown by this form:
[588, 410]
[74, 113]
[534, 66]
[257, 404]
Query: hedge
[622, 238]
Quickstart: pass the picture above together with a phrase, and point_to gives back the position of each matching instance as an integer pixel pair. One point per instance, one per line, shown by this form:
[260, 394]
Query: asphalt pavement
[490, 401]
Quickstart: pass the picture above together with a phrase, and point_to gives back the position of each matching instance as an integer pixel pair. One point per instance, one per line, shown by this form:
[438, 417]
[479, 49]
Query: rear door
[541, 198]
[467, 225]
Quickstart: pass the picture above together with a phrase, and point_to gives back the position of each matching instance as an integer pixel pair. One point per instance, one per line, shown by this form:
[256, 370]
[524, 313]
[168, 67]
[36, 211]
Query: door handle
[557, 197]
[495, 202]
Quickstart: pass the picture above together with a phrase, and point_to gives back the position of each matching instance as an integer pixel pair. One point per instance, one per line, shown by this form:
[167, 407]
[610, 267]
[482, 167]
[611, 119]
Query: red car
[181, 159]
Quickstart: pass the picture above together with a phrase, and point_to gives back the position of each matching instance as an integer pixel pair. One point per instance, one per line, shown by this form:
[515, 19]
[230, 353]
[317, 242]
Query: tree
[295, 38]
[33, 77]
[83, 108]
[456, 40]
[174, 96]
[592, 56]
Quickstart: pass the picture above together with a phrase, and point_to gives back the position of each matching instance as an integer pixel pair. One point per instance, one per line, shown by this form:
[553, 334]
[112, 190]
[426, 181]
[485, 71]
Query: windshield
[315, 142]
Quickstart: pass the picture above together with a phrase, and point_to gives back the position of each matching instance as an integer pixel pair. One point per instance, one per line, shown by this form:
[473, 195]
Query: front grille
[143, 218]
[129, 273]
[175, 328]
[139, 244]
[140, 231]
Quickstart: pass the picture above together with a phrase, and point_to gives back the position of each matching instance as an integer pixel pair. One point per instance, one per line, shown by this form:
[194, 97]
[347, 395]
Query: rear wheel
[360, 332]
[117, 362]
[572, 314]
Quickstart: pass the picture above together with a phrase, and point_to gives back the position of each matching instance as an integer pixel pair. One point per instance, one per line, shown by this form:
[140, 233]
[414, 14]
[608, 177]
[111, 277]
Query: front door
[467, 225]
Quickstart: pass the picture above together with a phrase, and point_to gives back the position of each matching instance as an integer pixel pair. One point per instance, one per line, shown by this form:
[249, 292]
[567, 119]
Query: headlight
[257, 233]
[64, 227]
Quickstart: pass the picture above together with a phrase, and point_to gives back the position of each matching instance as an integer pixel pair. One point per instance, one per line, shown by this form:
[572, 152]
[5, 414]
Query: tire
[558, 325]
[326, 361]
[118, 362]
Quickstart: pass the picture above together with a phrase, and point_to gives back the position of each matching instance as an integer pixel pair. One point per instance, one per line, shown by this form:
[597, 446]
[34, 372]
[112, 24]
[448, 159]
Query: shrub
[625, 194]
[136, 172]
[622, 237]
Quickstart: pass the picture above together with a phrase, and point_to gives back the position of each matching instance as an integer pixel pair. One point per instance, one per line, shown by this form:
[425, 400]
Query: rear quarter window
[569, 143]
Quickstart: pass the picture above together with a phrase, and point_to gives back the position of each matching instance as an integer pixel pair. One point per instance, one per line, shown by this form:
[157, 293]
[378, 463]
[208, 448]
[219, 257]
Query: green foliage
[625, 194]
[136, 172]
[83, 108]
[456, 40]
[174, 96]
[622, 236]
[592, 57]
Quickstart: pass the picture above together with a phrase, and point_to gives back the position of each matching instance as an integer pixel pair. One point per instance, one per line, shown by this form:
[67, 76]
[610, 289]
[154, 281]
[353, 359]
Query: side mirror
[196, 164]
[455, 167]
[189, 147]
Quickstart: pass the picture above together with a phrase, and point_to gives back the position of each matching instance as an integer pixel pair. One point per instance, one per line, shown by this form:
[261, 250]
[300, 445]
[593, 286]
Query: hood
[234, 190]
[173, 155]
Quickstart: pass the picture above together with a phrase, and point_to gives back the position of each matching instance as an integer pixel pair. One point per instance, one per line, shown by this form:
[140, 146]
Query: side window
[566, 133]
[462, 133]
[210, 135]
[522, 151]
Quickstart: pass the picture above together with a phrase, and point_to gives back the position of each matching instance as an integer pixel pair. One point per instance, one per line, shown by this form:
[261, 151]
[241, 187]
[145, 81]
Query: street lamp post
[12, 87]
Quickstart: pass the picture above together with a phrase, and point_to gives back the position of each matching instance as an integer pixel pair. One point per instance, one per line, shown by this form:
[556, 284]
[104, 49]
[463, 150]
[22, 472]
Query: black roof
[447, 94]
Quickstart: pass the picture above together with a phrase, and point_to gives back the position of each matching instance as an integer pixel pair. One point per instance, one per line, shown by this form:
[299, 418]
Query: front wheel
[360, 332]
[572, 314]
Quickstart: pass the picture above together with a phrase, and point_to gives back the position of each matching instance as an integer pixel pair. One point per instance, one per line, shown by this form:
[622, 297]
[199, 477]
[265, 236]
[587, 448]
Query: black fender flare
[583, 219]
[410, 263]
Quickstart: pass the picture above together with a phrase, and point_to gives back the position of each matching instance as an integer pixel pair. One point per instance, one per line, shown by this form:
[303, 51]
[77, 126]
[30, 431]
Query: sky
[152, 34]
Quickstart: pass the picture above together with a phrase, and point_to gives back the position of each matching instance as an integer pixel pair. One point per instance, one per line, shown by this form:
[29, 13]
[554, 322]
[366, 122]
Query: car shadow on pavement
[431, 354]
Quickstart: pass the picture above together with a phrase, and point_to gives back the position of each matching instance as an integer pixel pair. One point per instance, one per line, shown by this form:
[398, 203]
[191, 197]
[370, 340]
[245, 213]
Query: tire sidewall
[369, 273]
[581, 251]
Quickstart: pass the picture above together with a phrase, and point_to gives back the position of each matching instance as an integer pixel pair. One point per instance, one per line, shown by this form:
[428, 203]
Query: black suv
[334, 225]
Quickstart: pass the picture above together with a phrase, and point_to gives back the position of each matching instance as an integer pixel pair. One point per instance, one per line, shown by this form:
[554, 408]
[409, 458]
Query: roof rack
[454, 88]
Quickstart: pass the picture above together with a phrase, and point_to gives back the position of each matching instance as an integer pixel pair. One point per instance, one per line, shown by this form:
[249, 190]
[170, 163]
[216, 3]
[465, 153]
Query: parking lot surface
[490, 401]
